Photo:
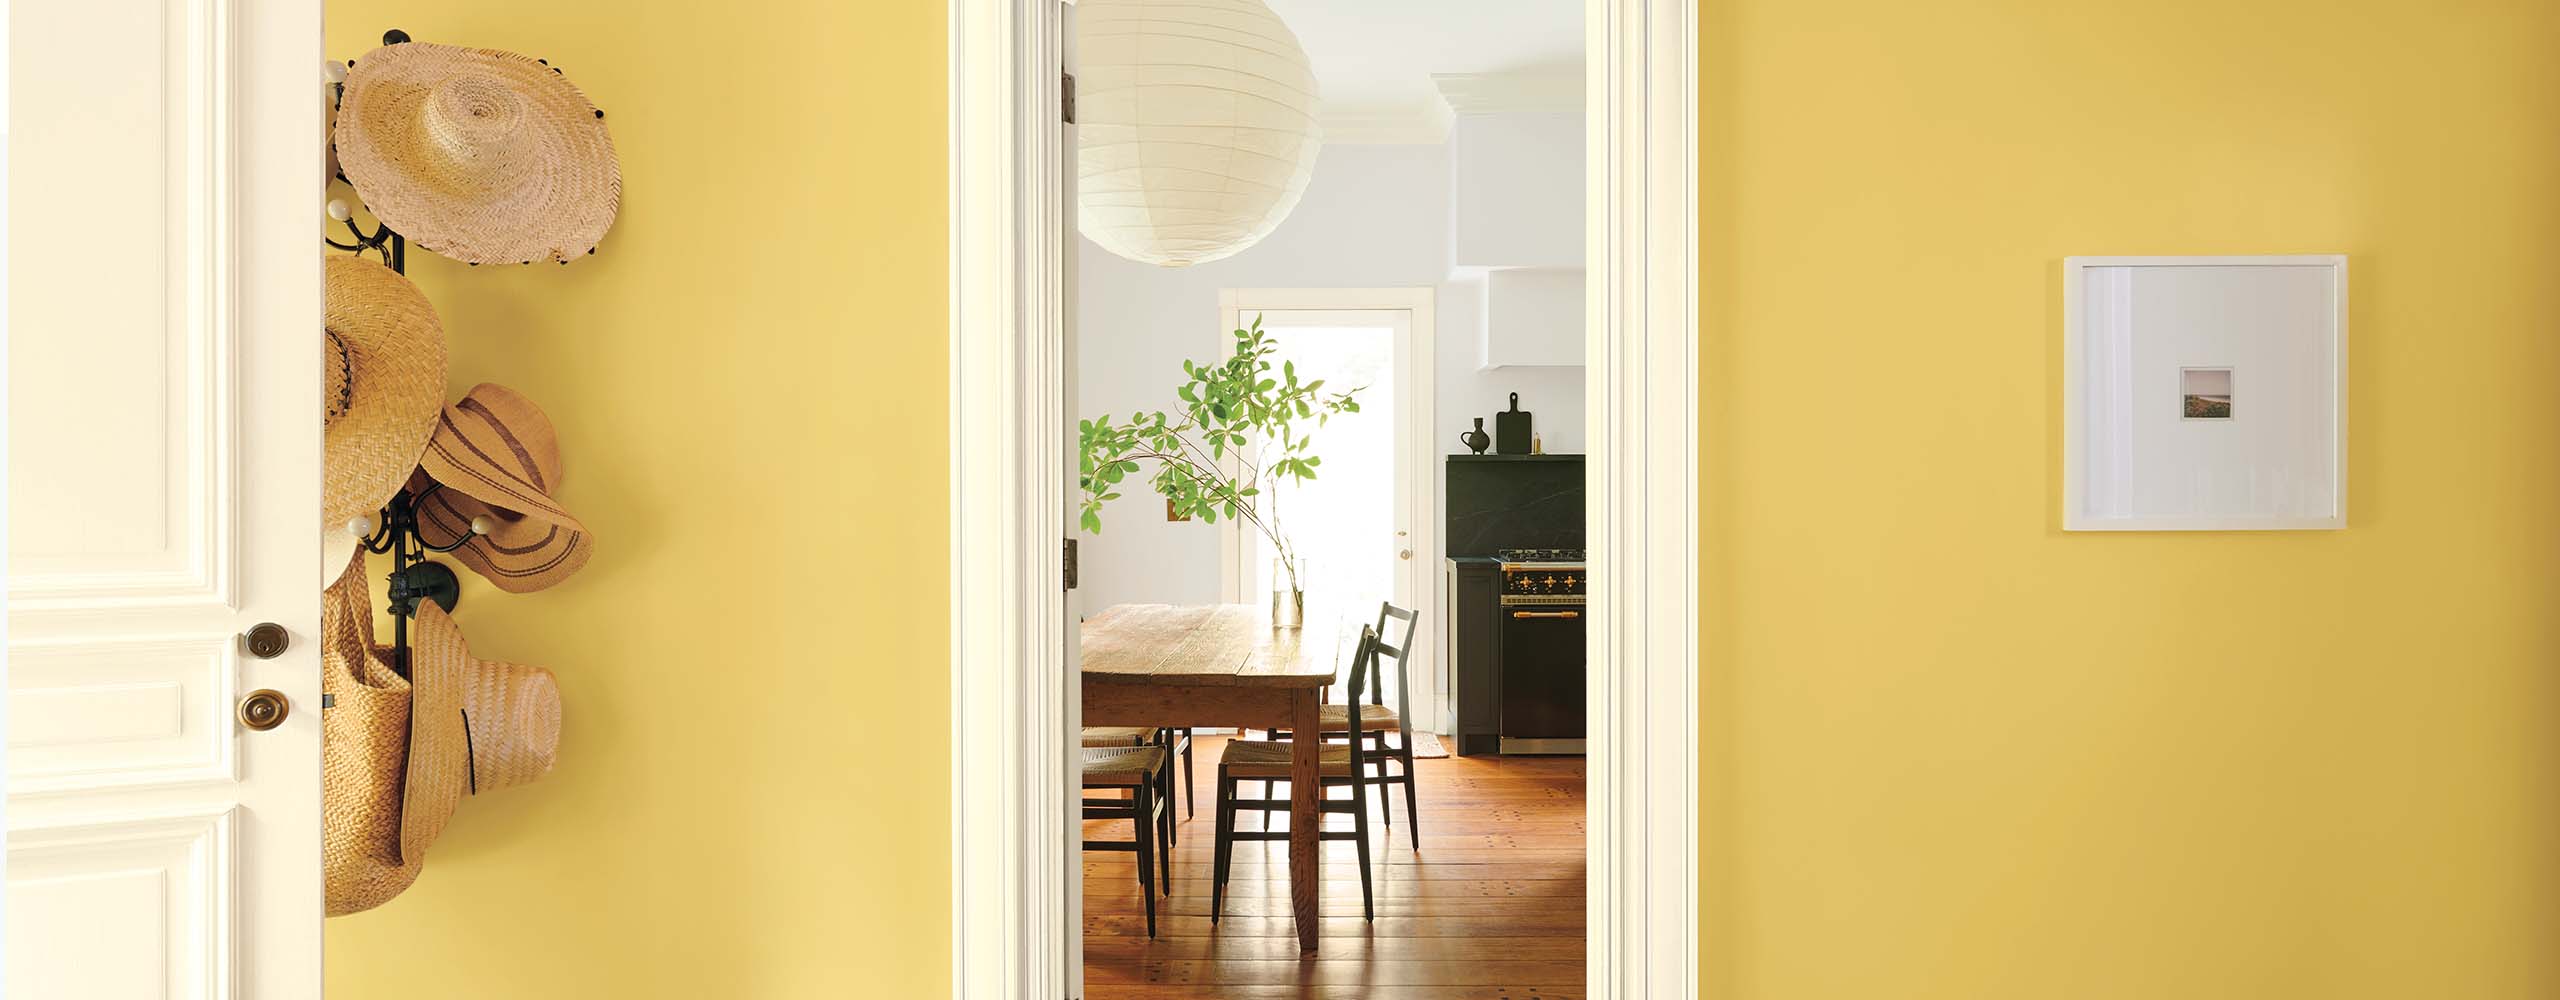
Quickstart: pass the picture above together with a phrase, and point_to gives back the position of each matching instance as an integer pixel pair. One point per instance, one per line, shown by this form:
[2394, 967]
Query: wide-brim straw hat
[383, 368]
[398, 754]
[498, 457]
[502, 729]
[477, 154]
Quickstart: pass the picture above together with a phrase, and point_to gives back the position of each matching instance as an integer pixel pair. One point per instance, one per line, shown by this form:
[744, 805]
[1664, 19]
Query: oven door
[1542, 676]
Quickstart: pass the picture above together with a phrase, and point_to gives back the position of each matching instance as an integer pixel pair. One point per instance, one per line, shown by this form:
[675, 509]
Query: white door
[164, 497]
[1366, 529]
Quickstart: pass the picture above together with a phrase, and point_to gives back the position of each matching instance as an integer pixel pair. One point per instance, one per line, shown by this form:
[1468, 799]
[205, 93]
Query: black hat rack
[413, 576]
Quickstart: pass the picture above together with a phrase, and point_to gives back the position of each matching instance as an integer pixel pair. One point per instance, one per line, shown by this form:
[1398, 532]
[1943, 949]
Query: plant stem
[1198, 471]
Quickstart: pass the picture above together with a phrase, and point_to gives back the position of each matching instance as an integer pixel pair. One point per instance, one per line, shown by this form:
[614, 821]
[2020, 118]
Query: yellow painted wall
[749, 384]
[1951, 752]
[1962, 754]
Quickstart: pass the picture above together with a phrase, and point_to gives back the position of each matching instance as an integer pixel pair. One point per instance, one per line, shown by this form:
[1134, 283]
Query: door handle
[1546, 614]
[264, 709]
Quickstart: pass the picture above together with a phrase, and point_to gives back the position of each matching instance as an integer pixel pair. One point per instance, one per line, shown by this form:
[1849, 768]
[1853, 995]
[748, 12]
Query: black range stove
[1543, 576]
[1518, 629]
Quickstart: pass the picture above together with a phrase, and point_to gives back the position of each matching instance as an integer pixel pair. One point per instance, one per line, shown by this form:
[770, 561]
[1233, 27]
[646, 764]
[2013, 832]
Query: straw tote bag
[364, 754]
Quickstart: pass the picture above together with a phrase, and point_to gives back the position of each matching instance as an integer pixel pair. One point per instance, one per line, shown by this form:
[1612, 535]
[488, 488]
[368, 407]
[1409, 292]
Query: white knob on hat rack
[336, 71]
[483, 524]
[362, 525]
[339, 211]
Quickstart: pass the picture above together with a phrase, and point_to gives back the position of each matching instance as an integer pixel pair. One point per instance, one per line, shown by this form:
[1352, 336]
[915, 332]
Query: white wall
[1373, 217]
[1506, 214]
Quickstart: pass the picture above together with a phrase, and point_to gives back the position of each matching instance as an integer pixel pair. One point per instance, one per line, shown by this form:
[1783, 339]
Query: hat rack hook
[394, 249]
[413, 576]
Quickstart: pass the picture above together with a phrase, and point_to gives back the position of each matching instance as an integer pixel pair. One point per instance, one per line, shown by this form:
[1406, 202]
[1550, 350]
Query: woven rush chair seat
[1127, 765]
[1117, 736]
[1142, 771]
[1337, 718]
[1254, 759]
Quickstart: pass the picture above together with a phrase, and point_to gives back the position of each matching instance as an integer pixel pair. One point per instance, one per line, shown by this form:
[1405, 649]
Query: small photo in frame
[2204, 393]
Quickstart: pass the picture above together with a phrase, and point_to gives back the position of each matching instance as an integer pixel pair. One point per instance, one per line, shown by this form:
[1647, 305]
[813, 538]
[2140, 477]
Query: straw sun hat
[382, 366]
[498, 457]
[480, 155]
[398, 754]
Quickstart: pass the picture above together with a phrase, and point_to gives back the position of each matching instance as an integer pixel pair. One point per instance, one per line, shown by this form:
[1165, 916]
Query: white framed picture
[2204, 393]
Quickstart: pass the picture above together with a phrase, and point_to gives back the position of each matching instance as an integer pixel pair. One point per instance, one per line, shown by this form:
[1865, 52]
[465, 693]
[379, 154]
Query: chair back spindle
[1402, 651]
[1364, 665]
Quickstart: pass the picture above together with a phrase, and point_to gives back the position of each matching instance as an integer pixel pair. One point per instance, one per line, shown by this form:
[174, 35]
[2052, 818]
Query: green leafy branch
[1236, 431]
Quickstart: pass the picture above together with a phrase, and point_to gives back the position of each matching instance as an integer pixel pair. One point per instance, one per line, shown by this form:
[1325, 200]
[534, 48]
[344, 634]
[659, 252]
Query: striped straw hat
[382, 360]
[498, 458]
[477, 154]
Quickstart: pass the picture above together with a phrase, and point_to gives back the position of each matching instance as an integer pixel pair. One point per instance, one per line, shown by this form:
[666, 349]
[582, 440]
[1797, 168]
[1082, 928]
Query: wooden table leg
[1305, 789]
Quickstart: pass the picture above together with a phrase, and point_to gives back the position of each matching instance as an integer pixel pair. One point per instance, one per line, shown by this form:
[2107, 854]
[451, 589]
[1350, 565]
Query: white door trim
[1010, 781]
[1010, 927]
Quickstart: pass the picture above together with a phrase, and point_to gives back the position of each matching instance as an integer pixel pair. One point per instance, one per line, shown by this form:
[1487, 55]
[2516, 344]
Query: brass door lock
[267, 640]
[264, 709]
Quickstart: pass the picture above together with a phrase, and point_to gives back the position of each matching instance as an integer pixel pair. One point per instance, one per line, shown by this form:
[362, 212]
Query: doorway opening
[1016, 369]
[1267, 467]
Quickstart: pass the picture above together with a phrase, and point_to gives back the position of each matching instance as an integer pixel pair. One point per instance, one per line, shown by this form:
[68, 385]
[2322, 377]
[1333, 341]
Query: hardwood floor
[1491, 908]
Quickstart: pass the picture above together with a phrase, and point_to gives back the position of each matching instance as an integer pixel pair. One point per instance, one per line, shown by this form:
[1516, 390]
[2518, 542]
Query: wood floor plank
[1551, 948]
[1490, 908]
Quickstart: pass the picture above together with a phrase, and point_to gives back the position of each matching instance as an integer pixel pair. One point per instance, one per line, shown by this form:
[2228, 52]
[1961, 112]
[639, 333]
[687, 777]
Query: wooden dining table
[1163, 665]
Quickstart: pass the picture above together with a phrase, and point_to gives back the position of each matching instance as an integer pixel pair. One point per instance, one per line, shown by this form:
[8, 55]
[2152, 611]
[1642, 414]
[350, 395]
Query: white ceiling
[1374, 59]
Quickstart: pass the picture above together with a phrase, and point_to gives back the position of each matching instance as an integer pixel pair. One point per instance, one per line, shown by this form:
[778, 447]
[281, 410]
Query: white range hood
[1516, 212]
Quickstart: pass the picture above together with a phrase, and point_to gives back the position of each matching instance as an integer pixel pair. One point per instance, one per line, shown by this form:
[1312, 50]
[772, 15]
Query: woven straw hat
[498, 457]
[477, 154]
[503, 728]
[382, 362]
[399, 754]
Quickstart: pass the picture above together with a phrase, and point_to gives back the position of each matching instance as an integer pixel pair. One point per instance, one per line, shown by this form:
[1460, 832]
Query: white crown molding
[1500, 93]
[1417, 126]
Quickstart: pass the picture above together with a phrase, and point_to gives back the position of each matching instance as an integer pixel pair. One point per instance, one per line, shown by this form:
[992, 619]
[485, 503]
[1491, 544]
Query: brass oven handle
[1546, 614]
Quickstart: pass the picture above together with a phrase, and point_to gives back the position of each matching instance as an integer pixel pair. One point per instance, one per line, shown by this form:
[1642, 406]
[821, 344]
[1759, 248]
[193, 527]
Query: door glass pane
[1342, 522]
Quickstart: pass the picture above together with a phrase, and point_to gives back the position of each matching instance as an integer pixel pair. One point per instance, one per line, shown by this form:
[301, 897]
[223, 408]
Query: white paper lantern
[1198, 124]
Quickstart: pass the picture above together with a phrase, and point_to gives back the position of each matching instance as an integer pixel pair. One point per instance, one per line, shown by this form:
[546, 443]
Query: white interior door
[164, 497]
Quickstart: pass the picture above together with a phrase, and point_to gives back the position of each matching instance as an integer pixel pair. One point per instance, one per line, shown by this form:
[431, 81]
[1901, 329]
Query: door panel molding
[144, 387]
[69, 880]
[121, 713]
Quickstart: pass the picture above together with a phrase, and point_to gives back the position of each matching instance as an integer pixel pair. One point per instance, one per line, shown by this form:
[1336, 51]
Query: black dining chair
[1140, 770]
[1268, 763]
[1175, 741]
[1380, 718]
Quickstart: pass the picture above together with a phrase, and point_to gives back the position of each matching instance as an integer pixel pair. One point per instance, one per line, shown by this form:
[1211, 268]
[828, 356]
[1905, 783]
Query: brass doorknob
[264, 709]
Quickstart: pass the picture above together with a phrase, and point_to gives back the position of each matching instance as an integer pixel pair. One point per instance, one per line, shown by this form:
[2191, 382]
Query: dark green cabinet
[1475, 653]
